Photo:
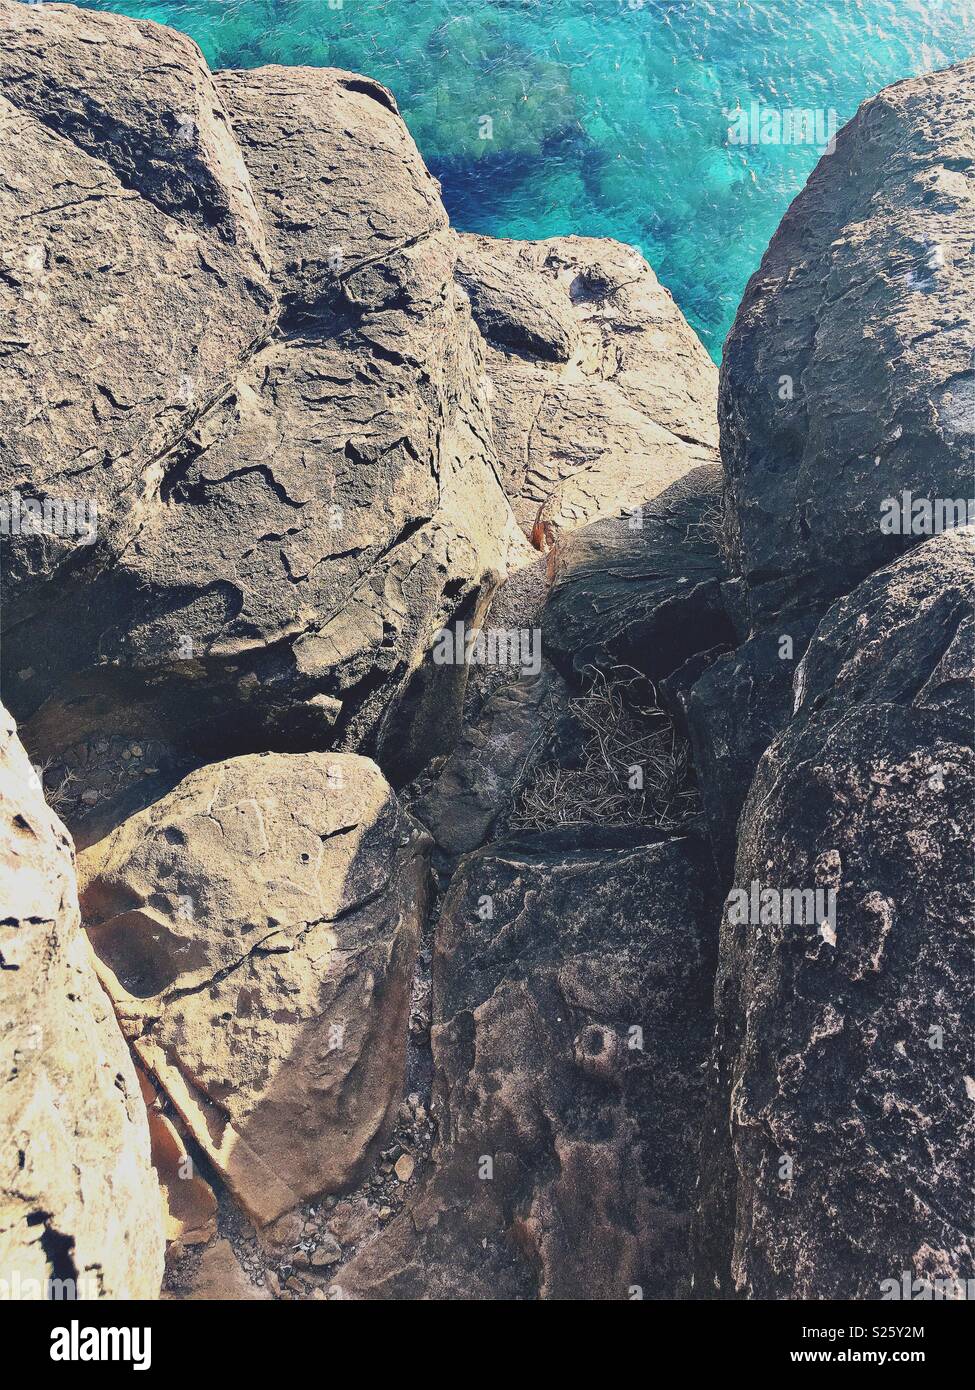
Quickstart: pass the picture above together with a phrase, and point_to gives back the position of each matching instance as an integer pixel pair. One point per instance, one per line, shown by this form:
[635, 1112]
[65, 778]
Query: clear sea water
[607, 117]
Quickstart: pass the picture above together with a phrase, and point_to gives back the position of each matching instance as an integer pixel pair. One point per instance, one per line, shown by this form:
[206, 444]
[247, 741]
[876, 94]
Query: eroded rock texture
[80, 1209]
[571, 980]
[266, 378]
[257, 928]
[843, 1048]
[602, 395]
[642, 590]
[847, 376]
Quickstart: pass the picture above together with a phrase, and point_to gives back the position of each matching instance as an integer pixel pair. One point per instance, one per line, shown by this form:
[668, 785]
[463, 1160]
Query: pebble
[328, 1253]
[404, 1167]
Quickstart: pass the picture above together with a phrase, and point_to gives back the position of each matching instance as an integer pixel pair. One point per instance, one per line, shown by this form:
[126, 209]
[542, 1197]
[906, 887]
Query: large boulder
[257, 929]
[602, 396]
[277, 551]
[134, 279]
[571, 985]
[843, 1041]
[642, 590]
[80, 1209]
[847, 377]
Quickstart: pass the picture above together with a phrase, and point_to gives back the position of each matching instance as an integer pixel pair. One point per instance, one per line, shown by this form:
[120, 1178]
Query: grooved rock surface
[257, 928]
[601, 394]
[844, 1049]
[864, 302]
[278, 547]
[562, 1171]
[645, 595]
[79, 1202]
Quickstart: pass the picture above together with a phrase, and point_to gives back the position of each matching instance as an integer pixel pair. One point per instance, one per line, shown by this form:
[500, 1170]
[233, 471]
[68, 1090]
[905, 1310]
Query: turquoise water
[610, 117]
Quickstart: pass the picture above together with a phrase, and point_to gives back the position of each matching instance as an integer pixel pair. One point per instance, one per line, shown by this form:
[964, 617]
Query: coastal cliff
[521, 782]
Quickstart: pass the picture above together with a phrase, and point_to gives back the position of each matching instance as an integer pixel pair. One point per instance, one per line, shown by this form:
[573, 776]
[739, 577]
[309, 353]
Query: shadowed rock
[571, 1021]
[842, 1046]
[641, 590]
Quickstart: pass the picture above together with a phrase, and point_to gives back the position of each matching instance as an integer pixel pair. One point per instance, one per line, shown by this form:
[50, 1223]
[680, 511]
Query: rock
[480, 780]
[641, 591]
[257, 929]
[842, 1038]
[732, 713]
[278, 556]
[80, 1211]
[602, 396]
[220, 1278]
[189, 1200]
[571, 1022]
[403, 1167]
[191, 1206]
[847, 376]
[134, 279]
[328, 1253]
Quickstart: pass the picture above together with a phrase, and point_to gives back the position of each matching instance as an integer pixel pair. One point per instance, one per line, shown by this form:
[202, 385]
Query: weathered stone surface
[593, 934]
[647, 595]
[257, 929]
[732, 713]
[134, 272]
[480, 779]
[843, 1047]
[864, 301]
[601, 394]
[292, 546]
[79, 1202]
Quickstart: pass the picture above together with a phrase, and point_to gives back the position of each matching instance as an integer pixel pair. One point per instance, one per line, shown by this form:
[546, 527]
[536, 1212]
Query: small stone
[404, 1167]
[328, 1253]
[90, 796]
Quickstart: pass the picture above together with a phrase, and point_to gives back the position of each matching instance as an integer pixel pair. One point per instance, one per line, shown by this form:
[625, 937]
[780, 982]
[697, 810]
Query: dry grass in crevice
[623, 729]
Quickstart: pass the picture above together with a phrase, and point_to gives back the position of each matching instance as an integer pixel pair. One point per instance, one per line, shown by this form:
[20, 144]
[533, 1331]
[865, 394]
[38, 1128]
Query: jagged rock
[278, 552]
[562, 1171]
[80, 1211]
[602, 395]
[641, 591]
[481, 777]
[842, 1041]
[257, 929]
[847, 376]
